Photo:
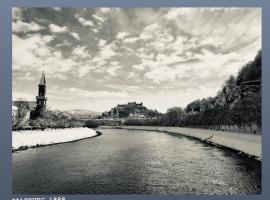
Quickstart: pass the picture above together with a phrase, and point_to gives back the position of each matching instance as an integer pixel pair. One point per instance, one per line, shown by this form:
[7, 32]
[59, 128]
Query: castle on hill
[126, 110]
[130, 110]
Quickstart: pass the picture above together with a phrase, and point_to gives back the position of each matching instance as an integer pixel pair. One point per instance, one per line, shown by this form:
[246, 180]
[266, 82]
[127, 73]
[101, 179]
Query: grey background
[6, 86]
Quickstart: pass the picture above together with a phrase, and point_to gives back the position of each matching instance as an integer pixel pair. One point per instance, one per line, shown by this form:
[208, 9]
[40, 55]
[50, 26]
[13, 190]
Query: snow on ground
[49, 136]
[243, 142]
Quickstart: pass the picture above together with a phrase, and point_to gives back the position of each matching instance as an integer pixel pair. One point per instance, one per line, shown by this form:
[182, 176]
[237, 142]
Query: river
[134, 162]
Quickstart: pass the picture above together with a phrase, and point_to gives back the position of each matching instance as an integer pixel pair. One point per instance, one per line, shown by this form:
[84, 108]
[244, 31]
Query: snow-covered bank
[49, 136]
[246, 143]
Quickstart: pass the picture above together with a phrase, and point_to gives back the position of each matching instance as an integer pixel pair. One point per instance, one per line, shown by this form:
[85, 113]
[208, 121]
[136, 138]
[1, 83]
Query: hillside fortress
[131, 109]
[41, 99]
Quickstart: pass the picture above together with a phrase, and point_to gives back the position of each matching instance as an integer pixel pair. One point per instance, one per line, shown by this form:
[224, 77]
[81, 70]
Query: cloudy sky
[97, 58]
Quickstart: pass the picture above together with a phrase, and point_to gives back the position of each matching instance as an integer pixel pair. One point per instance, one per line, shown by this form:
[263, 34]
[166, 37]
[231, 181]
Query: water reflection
[134, 162]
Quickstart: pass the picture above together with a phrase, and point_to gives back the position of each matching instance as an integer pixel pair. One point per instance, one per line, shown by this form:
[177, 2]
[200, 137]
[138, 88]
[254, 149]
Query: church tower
[41, 98]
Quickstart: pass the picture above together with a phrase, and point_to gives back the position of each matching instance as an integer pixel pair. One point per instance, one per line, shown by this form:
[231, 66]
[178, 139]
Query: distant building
[131, 109]
[136, 116]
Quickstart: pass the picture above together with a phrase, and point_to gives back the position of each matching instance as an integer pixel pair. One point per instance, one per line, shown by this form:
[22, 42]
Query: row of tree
[237, 103]
[51, 119]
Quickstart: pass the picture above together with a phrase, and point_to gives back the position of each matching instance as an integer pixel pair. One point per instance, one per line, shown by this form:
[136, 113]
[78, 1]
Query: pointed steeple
[42, 79]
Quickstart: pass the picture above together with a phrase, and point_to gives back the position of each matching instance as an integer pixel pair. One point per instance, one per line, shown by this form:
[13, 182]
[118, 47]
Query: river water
[134, 162]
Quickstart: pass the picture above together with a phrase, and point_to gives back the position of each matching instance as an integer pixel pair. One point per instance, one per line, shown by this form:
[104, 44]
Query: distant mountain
[80, 113]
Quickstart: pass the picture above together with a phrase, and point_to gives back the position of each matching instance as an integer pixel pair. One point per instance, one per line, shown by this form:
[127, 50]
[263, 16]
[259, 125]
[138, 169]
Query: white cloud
[171, 59]
[105, 53]
[22, 96]
[19, 26]
[105, 10]
[170, 67]
[115, 63]
[57, 8]
[84, 94]
[95, 30]
[59, 76]
[23, 52]
[216, 41]
[99, 18]
[27, 76]
[75, 35]
[131, 39]
[157, 32]
[83, 71]
[179, 44]
[131, 75]
[16, 13]
[156, 36]
[163, 73]
[59, 65]
[57, 29]
[101, 43]
[112, 70]
[139, 67]
[64, 44]
[218, 64]
[122, 35]
[149, 31]
[85, 22]
[57, 54]
[174, 13]
[100, 69]
[80, 52]
[28, 53]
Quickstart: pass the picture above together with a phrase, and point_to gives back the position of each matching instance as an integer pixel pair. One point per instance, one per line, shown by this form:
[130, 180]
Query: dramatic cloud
[78, 93]
[75, 35]
[20, 26]
[85, 22]
[95, 58]
[57, 8]
[57, 29]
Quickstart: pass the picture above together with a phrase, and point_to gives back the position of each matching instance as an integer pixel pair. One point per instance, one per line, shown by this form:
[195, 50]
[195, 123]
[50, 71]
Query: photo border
[6, 89]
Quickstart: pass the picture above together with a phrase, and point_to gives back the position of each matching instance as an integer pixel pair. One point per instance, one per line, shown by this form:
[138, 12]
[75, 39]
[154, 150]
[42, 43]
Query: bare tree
[18, 116]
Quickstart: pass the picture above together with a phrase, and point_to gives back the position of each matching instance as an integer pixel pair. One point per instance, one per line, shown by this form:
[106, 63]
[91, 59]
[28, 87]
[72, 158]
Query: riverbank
[246, 144]
[22, 140]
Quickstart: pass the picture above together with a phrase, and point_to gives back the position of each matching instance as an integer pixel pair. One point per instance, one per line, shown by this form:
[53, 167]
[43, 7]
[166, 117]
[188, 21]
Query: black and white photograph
[147, 100]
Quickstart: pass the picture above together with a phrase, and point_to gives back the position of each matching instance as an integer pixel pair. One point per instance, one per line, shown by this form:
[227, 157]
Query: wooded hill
[236, 105]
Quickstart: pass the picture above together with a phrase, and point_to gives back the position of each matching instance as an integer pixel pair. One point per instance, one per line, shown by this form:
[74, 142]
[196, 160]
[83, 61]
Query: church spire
[42, 79]
[41, 98]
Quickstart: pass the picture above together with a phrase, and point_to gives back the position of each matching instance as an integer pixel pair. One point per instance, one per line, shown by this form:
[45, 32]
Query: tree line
[51, 119]
[238, 103]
